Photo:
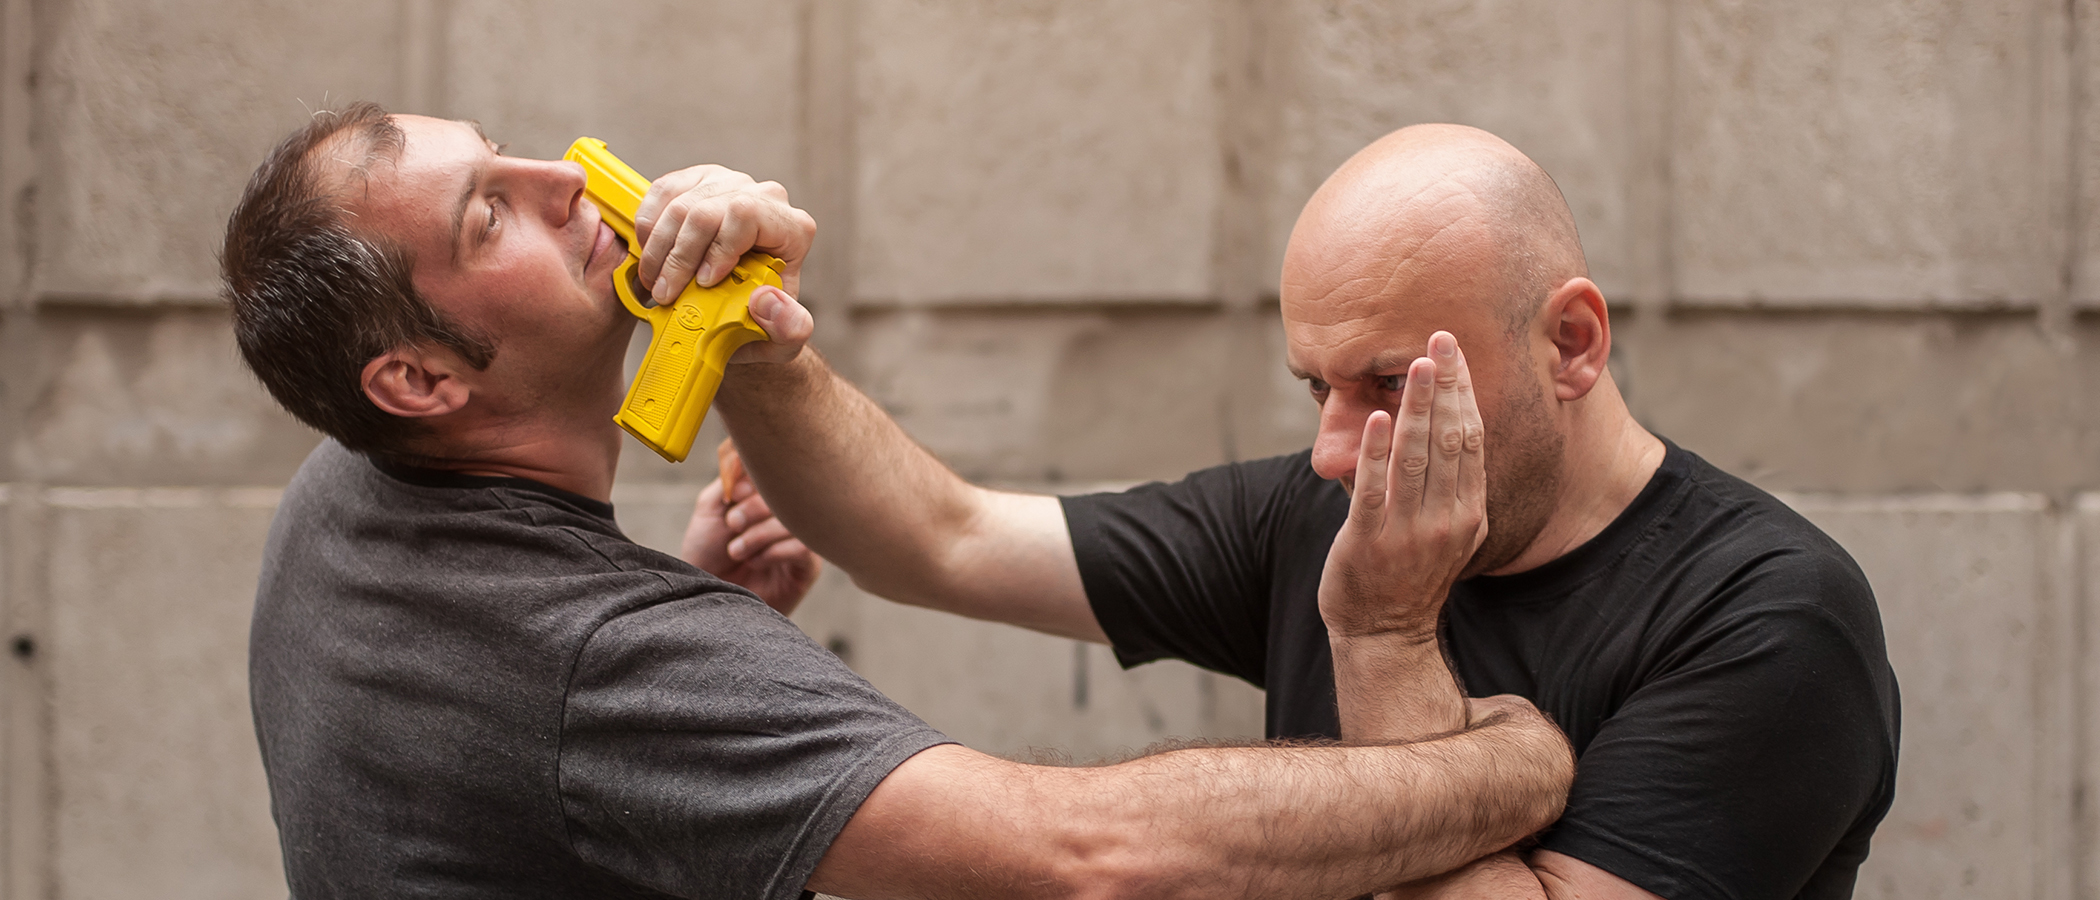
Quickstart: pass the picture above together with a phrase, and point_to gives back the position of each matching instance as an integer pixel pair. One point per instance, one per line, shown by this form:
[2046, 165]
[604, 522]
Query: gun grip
[692, 337]
[690, 343]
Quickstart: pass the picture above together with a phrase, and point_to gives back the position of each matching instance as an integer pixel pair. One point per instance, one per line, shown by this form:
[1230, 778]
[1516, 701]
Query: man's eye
[1392, 383]
[490, 229]
[1318, 388]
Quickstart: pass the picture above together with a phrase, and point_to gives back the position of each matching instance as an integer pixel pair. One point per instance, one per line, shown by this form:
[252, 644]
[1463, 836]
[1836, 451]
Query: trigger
[635, 288]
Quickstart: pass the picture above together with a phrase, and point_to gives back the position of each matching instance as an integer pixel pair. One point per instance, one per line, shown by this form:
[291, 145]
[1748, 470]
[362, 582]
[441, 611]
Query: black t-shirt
[1716, 660]
[478, 688]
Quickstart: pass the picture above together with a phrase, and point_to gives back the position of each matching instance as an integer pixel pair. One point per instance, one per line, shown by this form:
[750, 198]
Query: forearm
[1394, 688]
[1502, 876]
[1341, 821]
[843, 477]
[831, 464]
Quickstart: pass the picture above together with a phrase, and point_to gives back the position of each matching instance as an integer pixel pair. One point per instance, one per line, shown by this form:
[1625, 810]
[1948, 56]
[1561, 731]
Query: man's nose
[1341, 433]
[558, 184]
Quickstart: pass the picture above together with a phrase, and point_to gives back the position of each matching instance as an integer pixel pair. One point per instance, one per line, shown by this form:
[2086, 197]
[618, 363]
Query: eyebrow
[1383, 362]
[459, 207]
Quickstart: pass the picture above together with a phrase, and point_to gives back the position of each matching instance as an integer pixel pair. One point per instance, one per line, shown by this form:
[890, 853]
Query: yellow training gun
[691, 337]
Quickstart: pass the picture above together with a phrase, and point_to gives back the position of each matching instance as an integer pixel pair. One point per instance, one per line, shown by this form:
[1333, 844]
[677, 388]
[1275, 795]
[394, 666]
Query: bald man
[1717, 662]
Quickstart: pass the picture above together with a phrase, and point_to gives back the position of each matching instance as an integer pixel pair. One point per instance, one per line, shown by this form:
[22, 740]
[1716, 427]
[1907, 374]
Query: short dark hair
[313, 301]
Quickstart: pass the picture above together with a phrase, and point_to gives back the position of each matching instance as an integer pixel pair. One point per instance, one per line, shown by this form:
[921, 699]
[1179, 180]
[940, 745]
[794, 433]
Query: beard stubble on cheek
[1523, 478]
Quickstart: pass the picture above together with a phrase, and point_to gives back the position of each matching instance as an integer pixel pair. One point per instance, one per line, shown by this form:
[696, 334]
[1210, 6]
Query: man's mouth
[606, 238]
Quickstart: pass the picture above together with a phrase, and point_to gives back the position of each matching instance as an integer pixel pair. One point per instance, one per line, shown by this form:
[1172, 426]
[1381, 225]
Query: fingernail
[663, 286]
[736, 549]
[706, 275]
[766, 303]
[1444, 345]
[744, 489]
[735, 519]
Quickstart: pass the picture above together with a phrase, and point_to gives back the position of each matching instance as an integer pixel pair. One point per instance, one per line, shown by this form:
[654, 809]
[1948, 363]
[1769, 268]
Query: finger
[1410, 465]
[736, 234]
[729, 463]
[791, 550]
[785, 320]
[1472, 472]
[760, 536]
[748, 512]
[708, 180]
[698, 221]
[661, 238]
[710, 498]
[1367, 507]
[1447, 429]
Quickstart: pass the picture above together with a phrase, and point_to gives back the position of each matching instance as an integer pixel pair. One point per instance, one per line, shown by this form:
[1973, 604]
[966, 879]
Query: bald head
[1453, 210]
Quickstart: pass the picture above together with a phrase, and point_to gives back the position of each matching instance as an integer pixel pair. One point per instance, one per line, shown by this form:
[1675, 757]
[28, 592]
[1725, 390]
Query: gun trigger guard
[626, 283]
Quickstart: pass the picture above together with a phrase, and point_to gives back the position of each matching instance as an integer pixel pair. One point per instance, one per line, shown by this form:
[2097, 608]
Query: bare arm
[853, 486]
[1300, 822]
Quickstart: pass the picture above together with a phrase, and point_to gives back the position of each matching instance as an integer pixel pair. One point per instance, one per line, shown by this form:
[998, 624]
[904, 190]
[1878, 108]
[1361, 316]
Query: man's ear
[1581, 331]
[415, 382]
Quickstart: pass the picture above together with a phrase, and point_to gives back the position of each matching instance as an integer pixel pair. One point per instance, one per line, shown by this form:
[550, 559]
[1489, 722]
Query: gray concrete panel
[1549, 77]
[159, 784]
[1871, 403]
[1034, 151]
[2085, 153]
[1881, 154]
[1981, 638]
[158, 398]
[1048, 396]
[665, 83]
[2085, 563]
[152, 115]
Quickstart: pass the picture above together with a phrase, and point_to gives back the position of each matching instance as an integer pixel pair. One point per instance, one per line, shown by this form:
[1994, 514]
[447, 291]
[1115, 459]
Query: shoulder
[1254, 490]
[1768, 574]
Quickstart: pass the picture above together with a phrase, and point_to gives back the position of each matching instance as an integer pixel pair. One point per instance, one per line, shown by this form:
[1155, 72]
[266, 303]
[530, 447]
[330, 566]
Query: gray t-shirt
[477, 687]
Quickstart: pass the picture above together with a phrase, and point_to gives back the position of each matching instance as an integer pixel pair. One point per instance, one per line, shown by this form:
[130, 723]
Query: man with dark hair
[468, 683]
[1717, 662]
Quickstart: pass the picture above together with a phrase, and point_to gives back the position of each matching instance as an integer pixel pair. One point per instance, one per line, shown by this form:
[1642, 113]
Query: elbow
[1547, 773]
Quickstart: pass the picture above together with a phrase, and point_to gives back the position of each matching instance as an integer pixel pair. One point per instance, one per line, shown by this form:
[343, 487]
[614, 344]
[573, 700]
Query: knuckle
[1451, 440]
[1475, 437]
[1413, 466]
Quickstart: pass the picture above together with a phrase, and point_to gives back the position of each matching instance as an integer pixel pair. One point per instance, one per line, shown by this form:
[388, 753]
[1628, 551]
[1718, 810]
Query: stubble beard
[1523, 479]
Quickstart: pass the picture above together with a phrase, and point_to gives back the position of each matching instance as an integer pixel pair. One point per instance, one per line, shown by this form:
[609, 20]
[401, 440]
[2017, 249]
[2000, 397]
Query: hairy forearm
[854, 487]
[1244, 822]
[1502, 876]
[840, 474]
[1335, 821]
[1392, 688]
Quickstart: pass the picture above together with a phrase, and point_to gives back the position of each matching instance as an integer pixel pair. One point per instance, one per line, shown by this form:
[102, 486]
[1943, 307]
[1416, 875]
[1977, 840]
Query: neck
[577, 464]
[576, 450]
[1609, 458]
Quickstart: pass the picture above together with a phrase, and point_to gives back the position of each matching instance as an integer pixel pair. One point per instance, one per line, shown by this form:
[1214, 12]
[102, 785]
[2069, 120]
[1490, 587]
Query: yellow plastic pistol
[691, 337]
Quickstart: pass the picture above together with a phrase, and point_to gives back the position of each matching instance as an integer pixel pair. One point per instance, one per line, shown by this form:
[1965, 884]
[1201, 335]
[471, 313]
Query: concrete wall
[1854, 251]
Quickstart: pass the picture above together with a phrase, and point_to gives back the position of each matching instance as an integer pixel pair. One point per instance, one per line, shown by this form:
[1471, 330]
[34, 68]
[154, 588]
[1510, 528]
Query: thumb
[785, 320]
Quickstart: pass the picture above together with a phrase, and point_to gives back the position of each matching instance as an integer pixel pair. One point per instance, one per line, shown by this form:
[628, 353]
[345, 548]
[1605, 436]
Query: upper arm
[1012, 562]
[1740, 769]
[947, 822]
[1567, 878]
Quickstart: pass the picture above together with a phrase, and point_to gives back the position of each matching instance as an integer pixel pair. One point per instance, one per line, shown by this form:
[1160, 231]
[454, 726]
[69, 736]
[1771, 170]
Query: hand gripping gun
[691, 337]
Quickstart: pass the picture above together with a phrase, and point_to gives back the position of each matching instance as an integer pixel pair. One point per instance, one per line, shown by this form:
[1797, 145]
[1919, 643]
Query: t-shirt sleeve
[710, 749]
[1181, 570]
[1737, 769]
